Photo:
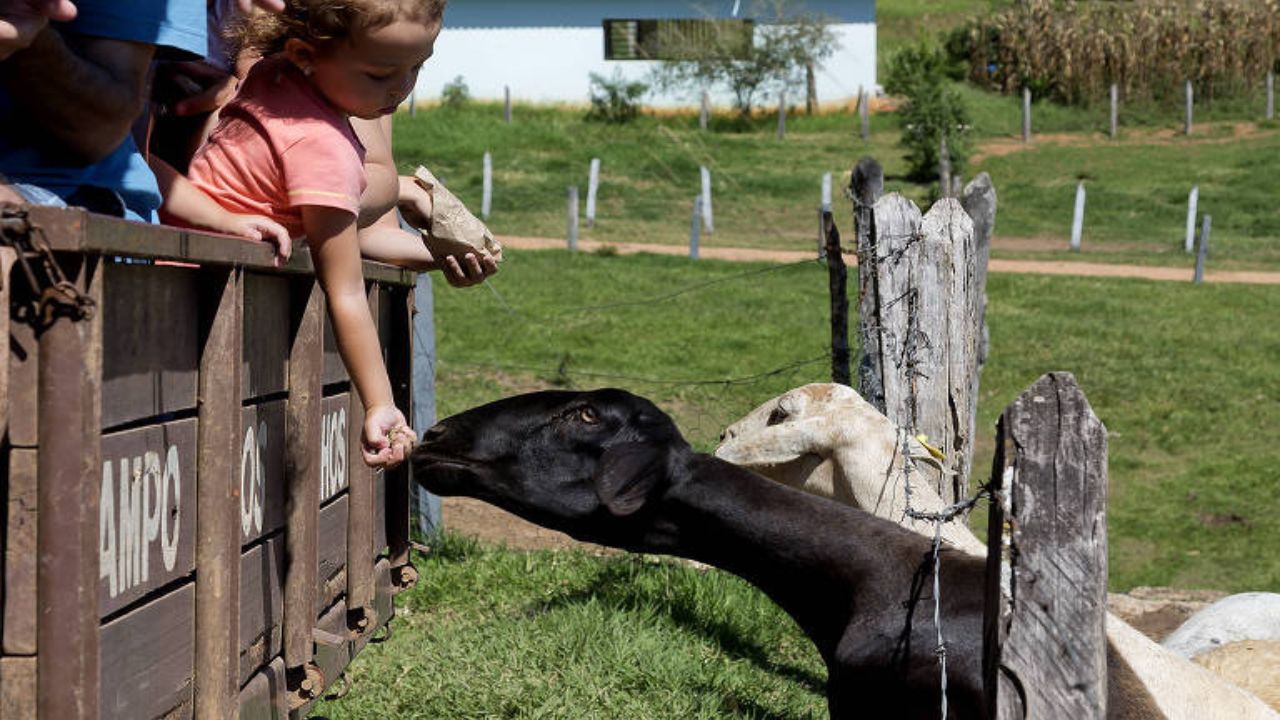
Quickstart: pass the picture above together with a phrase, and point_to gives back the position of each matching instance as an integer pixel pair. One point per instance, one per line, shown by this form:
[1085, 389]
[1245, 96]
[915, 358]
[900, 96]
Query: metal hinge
[57, 296]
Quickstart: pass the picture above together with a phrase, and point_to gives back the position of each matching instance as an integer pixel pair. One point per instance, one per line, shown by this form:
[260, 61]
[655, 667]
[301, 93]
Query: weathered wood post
[1045, 641]
[413, 103]
[1026, 115]
[708, 216]
[826, 192]
[979, 201]
[1077, 217]
[1202, 256]
[573, 218]
[944, 168]
[1191, 102]
[486, 197]
[506, 104]
[695, 224]
[593, 188]
[927, 324]
[865, 186]
[864, 113]
[704, 114]
[837, 281]
[1115, 109]
[1192, 200]
[810, 89]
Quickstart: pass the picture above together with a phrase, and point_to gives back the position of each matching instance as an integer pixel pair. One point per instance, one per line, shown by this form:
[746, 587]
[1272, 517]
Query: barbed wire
[562, 371]
[585, 309]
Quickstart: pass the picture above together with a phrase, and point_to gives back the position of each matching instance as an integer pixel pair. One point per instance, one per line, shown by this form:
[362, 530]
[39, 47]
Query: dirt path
[1037, 267]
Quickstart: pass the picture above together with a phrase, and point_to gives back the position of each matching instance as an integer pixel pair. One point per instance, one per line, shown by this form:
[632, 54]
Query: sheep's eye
[588, 415]
[777, 417]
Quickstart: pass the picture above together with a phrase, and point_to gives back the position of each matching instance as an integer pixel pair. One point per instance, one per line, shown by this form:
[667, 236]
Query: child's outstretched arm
[335, 250]
[187, 205]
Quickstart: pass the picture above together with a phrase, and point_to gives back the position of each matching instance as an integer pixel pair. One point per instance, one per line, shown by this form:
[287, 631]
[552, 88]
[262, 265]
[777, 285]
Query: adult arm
[82, 93]
[335, 250]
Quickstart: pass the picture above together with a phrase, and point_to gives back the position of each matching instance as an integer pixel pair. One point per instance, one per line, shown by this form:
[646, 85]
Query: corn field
[1073, 51]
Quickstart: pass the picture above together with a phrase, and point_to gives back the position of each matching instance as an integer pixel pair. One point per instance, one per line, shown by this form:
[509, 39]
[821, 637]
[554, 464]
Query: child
[284, 148]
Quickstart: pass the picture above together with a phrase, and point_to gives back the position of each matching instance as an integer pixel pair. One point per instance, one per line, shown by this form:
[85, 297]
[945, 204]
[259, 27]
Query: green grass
[491, 633]
[1182, 375]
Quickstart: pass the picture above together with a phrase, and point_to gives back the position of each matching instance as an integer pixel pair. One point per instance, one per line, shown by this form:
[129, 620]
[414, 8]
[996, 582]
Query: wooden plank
[897, 225]
[333, 659]
[7, 257]
[335, 445]
[866, 184]
[69, 460]
[150, 353]
[261, 605]
[75, 230]
[266, 335]
[332, 560]
[334, 370]
[396, 323]
[20, 555]
[148, 659]
[302, 474]
[24, 364]
[146, 529]
[17, 687]
[262, 482]
[383, 603]
[263, 698]
[218, 499]
[1047, 636]
[379, 513]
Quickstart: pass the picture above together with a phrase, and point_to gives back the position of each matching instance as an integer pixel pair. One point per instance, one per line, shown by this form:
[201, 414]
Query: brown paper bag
[454, 230]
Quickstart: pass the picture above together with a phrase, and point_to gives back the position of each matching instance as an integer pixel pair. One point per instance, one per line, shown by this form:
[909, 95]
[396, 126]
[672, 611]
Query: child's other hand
[472, 269]
[261, 229]
[387, 438]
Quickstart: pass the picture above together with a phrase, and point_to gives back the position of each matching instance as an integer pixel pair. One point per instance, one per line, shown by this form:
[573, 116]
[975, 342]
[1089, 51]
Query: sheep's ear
[627, 474]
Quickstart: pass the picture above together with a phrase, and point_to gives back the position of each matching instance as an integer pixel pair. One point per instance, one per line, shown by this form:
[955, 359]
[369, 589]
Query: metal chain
[58, 296]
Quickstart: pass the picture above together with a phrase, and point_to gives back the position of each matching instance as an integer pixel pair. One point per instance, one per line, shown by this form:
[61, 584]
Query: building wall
[545, 51]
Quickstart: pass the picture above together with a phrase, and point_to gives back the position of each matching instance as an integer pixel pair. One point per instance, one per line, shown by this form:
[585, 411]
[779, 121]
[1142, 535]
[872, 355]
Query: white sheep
[1244, 616]
[827, 440]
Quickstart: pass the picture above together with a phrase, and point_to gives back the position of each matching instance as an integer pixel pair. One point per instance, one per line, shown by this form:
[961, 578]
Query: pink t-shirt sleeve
[323, 168]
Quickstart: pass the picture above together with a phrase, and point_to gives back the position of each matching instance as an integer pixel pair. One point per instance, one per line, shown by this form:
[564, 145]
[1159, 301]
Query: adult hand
[470, 271]
[268, 5]
[387, 439]
[22, 20]
[415, 203]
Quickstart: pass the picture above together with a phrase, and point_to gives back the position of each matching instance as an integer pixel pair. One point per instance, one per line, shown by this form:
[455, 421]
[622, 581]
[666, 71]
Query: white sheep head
[825, 439]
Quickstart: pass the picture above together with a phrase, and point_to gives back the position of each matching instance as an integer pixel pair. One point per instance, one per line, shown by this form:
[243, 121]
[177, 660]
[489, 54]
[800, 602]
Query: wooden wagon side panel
[266, 335]
[20, 554]
[262, 483]
[148, 659]
[263, 697]
[146, 518]
[332, 556]
[261, 605]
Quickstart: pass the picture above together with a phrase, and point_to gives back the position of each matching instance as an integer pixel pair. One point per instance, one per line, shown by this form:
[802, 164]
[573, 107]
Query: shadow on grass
[614, 587]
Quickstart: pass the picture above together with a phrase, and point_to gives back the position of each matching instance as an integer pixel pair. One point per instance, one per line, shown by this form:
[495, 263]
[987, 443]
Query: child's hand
[387, 438]
[261, 229]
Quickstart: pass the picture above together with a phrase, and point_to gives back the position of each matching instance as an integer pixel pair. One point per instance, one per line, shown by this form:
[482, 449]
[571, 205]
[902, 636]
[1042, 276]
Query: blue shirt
[176, 27]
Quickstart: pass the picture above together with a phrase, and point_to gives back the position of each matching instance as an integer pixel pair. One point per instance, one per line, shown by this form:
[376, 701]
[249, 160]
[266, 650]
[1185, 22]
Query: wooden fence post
[1271, 95]
[695, 224]
[826, 193]
[1192, 200]
[704, 115]
[928, 325]
[864, 113]
[1202, 256]
[708, 216]
[1045, 642]
[486, 197]
[506, 104]
[811, 89]
[573, 218]
[944, 168]
[593, 187]
[1026, 115]
[865, 185]
[782, 115]
[979, 201]
[1191, 102]
[1077, 218]
[413, 103]
[837, 282]
[1115, 109]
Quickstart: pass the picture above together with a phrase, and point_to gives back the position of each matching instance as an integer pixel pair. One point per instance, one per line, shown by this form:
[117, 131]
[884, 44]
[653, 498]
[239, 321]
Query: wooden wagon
[188, 527]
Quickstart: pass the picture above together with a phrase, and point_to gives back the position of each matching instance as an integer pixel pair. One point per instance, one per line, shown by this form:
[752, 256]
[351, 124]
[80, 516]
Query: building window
[676, 39]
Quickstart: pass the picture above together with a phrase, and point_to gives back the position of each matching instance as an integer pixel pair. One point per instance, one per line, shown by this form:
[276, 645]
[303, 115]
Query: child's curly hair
[323, 21]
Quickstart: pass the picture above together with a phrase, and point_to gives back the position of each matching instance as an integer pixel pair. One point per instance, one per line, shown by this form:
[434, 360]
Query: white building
[544, 50]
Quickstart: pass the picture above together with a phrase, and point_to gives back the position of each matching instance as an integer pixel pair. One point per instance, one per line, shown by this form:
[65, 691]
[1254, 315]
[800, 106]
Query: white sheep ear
[628, 474]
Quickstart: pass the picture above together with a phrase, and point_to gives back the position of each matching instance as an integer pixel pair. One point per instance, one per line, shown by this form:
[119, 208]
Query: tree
[933, 109]
[773, 60]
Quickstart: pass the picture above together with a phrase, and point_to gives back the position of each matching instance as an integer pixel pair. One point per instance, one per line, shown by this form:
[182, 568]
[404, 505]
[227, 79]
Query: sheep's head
[574, 461]
[801, 437]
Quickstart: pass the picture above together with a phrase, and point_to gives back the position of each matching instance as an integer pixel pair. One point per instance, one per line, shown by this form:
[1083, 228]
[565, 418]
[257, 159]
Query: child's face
[372, 72]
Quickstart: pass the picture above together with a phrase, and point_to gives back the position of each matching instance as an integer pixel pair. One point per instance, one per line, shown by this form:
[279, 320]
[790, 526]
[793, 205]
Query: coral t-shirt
[279, 145]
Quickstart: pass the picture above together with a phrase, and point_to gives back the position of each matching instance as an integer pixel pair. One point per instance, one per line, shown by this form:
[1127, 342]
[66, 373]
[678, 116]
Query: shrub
[456, 93]
[932, 109]
[616, 99]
